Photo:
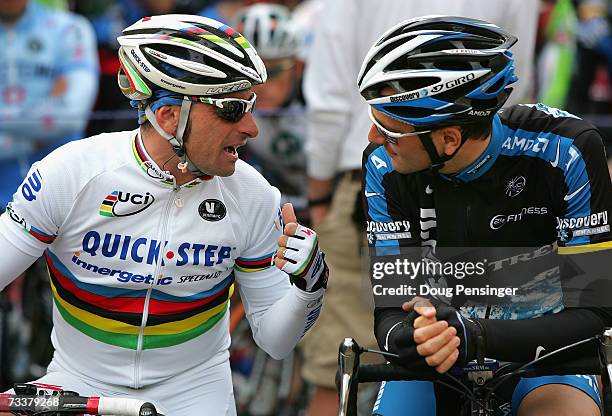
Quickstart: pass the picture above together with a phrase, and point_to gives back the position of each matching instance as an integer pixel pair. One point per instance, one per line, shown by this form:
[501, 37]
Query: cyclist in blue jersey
[447, 167]
[144, 232]
[48, 84]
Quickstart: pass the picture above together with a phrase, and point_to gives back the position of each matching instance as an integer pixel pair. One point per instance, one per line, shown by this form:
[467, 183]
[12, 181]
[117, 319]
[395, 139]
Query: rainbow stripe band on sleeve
[254, 265]
[40, 236]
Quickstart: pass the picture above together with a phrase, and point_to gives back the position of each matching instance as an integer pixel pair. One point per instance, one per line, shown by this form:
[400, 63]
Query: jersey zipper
[157, 276]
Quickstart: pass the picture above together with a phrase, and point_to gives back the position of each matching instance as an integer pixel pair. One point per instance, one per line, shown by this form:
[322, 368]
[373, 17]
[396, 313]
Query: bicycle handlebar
[395, 372]
[52, 404]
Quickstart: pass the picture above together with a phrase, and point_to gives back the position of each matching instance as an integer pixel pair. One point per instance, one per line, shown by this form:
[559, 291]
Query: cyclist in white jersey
[146, 231]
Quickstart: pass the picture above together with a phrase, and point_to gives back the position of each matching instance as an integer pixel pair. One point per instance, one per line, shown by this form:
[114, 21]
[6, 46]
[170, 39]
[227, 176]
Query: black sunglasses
[230, 109]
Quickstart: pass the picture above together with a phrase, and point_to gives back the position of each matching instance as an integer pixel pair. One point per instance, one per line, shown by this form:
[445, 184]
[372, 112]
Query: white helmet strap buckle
[177, 141]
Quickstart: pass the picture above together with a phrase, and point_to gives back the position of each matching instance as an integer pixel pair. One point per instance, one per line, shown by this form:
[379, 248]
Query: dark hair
[478, 131]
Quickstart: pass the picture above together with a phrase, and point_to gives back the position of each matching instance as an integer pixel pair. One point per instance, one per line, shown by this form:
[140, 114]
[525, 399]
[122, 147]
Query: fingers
[415, 302]
[439, 349]
[422, 322]
[290, 229]
[288, 214]
[449, 362]
[280, 263]
[282, 241]
[428, 332]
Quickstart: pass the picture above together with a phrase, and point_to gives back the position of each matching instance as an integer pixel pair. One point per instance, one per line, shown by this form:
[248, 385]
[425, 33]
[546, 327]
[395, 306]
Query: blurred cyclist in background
[48, 83]
[278, 150]
[109, 17]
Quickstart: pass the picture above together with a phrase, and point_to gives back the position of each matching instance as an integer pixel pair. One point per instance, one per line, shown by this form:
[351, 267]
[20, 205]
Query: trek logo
[137, 59]
[593, 220]
[123, 204]
[212, 210]
[143, 250]
[31, 186]
[515, 186]
[500, 220]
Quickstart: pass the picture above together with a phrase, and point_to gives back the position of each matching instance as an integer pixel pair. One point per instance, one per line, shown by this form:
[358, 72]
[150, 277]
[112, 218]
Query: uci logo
[212, 210]
[123, 204]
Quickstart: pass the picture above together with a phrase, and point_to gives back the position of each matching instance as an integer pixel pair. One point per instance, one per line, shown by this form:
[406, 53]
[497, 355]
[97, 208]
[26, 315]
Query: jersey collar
[151, 169]
[484, 162]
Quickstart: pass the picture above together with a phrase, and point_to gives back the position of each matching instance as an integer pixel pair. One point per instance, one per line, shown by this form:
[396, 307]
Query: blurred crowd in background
[60, 84]
[58, 69]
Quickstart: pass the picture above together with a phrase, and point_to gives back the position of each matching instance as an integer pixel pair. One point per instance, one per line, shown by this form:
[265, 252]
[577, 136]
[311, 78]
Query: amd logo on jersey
[212, 210]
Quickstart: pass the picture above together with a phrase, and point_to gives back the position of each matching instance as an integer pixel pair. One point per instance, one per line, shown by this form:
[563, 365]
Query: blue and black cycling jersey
[542, 179]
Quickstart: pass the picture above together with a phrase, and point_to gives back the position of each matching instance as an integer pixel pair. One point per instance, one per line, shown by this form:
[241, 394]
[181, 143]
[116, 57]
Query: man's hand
[436, 341]
[298, 254]
[452, 339]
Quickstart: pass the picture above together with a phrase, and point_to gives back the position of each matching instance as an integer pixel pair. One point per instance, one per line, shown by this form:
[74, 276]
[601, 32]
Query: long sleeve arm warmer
[514, 341]
[279, 327]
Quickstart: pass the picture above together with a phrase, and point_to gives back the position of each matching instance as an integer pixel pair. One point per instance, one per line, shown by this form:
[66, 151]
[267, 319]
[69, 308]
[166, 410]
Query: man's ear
[167, 118]
[452, 139]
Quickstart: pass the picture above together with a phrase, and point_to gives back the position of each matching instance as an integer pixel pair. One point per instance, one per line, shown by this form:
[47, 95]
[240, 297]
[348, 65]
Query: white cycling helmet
[188, 55]
[175, 59]
[270, 29]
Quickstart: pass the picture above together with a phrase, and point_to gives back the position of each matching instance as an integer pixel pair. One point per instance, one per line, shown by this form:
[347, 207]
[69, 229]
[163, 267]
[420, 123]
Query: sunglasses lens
[231, 111]
[384, 134]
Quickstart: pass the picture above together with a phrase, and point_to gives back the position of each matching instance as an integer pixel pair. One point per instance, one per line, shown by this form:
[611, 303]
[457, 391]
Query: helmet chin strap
[177, 142]
[437, 161]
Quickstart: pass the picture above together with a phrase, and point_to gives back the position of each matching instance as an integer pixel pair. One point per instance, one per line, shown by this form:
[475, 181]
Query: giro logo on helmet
[460, 81]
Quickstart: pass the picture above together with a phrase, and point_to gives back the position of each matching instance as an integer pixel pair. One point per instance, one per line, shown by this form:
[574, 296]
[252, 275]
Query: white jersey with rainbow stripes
[141, 270]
